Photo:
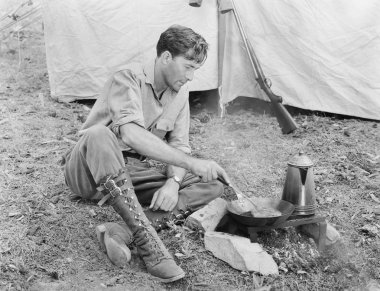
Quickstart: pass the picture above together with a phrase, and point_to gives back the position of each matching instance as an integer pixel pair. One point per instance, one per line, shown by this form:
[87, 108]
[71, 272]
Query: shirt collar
[149, 71]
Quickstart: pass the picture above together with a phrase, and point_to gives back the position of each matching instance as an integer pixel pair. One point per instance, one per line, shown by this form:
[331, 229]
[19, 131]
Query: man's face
[179, 71]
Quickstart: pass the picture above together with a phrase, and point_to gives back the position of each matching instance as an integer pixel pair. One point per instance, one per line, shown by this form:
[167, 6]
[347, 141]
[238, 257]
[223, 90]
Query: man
[139, 107]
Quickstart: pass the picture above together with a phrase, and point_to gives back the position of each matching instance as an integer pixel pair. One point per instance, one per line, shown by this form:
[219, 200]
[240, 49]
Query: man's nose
[190, 75]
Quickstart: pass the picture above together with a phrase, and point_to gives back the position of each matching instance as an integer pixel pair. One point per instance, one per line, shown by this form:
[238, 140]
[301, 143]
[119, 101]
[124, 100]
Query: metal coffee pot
[299, 186]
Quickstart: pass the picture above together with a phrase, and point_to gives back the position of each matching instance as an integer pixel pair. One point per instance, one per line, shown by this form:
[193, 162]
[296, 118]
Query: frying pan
[285, 209]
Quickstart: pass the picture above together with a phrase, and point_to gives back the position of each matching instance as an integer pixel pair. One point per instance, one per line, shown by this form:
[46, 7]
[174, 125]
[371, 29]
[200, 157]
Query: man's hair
[183, 41]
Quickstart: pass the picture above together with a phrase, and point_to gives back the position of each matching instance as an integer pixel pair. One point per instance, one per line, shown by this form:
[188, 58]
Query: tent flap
[319, 55]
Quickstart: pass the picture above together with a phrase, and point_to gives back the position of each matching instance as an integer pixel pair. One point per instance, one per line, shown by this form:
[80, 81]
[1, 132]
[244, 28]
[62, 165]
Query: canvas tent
[320, 55]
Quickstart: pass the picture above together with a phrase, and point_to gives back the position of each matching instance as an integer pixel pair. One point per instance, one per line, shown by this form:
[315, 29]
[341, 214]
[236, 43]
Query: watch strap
[176, 179]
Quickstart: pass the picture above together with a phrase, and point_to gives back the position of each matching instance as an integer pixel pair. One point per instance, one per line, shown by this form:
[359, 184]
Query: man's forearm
[175, 171]
[147, 144]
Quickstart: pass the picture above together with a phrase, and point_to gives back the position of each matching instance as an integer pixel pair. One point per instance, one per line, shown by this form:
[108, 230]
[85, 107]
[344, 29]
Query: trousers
[97, 154]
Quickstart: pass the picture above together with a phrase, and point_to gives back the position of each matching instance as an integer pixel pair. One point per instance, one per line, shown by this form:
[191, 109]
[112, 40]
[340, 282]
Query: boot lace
[143, 223]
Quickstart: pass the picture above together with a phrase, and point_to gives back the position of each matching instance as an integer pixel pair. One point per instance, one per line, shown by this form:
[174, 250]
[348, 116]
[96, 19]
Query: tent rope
[12, 14]
[21, 17]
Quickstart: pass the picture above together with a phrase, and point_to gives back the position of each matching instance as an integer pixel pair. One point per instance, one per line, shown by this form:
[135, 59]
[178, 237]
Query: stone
[312, 230]
[240, 253]
[50, 286]
[55, 199]
[372, 285]
[208, 217]
[92, 212]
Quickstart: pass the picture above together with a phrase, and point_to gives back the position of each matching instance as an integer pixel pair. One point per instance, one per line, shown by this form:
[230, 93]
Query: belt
[133, 155]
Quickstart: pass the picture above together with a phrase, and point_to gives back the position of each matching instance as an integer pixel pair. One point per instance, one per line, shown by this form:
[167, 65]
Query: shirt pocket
[162, 127]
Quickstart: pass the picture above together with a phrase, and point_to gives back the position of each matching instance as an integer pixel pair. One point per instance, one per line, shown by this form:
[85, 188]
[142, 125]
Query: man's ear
[166, 57]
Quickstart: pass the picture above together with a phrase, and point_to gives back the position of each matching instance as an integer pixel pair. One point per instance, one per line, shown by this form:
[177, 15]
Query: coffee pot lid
[300, 160]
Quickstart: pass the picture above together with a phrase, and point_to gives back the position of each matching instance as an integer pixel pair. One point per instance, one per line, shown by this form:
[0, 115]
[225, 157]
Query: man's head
[180, 52]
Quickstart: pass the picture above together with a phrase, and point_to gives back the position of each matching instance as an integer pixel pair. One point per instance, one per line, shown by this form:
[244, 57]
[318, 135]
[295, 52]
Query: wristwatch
[176, 179]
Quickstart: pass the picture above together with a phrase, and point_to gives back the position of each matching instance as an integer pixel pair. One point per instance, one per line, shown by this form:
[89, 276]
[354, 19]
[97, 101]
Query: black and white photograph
[192, 145]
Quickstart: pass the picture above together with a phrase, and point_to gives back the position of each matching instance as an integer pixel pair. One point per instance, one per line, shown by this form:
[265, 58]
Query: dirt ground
[48, 242]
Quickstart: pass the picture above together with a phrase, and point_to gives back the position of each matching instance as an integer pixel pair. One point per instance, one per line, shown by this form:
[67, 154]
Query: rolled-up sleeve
[179, 136]
[124, 100]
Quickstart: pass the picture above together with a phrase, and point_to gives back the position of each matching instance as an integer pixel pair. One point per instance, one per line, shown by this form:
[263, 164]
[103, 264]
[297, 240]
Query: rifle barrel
[285, 120]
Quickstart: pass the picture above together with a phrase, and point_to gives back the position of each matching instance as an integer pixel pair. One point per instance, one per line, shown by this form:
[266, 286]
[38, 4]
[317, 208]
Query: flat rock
[52, 286]
[312, 230]
[240, 253]
[372, 285]
[208, 217]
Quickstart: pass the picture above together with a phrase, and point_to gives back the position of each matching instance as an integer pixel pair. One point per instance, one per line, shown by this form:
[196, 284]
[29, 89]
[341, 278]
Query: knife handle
[221, 179]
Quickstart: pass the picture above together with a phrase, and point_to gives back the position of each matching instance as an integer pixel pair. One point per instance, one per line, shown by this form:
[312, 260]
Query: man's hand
[208, 170]
[166, 197]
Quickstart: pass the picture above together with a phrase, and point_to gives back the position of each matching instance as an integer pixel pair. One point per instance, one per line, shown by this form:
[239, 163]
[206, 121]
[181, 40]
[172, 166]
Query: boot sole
[117, 251]
[172, 279]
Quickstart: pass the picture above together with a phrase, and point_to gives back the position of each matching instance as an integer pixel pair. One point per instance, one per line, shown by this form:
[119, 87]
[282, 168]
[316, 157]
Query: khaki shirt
[129, 96]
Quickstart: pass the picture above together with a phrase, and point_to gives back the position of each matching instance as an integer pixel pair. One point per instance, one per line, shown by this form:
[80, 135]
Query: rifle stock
[284, 119]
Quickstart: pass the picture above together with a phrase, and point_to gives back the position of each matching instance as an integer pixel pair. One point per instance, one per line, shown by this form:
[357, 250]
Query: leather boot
[118, 189]
[115, 239]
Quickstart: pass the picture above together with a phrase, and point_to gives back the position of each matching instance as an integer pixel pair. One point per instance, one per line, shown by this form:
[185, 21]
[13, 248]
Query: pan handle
[237, 191]
[240, 195]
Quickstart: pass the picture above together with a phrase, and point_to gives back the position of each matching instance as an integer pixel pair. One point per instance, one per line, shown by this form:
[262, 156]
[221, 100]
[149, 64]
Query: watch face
[178, 180]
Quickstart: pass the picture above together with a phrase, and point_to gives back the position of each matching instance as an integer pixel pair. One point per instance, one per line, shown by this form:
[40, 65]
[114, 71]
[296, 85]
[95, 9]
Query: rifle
[285, 120]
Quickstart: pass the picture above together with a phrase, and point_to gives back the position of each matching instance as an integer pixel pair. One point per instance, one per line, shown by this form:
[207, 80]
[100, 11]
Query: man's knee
[100, 137]
[200, 194]
[98, 132]
[211, 191]
[216, 189]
